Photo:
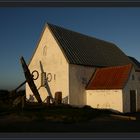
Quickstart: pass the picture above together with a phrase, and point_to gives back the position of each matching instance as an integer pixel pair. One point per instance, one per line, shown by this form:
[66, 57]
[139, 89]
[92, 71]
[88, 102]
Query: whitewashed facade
[54, 62]
[133, 84]
[105, 99]
[117, 99]
[72, 79]
[68, 78]
[79, 77]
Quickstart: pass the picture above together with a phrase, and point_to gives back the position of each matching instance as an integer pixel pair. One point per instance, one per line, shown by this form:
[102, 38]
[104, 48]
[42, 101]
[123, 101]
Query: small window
[133, 77]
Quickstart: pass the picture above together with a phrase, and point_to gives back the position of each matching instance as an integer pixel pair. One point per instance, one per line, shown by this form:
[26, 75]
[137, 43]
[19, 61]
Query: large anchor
[30, 80]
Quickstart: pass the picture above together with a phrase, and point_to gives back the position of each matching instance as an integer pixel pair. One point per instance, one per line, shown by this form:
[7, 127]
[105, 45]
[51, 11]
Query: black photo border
[69, 135]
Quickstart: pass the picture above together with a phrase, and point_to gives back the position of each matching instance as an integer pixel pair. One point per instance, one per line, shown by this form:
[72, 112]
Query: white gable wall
[53, 62]
[79, 76]
[131, 85]
[138, 89]
[105, 99]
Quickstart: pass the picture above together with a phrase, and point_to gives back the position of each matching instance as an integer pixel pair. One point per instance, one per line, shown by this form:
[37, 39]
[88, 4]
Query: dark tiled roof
[85, 50]
[110, 78]
[135, 62]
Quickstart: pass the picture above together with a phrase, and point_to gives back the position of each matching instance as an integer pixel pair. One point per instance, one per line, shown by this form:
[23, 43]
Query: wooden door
[132, 101]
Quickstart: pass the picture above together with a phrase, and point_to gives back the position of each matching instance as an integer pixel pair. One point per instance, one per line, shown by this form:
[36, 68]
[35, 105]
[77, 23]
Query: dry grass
[64, 118]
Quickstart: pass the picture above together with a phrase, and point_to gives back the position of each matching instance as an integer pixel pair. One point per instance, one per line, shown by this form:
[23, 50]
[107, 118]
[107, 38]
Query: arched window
[45, 50]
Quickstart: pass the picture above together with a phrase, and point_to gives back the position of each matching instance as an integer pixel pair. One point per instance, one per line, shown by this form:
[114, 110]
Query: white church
[87, 70]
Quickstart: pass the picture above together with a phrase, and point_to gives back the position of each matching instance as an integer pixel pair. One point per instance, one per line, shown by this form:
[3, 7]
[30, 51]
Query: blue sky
[20, 29]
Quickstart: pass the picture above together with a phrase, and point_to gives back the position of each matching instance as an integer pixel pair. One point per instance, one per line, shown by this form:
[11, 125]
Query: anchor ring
[33, 74]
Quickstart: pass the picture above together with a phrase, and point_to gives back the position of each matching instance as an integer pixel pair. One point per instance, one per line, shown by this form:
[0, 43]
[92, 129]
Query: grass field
[65, 118]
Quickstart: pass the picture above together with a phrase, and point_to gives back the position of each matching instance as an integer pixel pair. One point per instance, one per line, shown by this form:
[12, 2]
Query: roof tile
[110, 78]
